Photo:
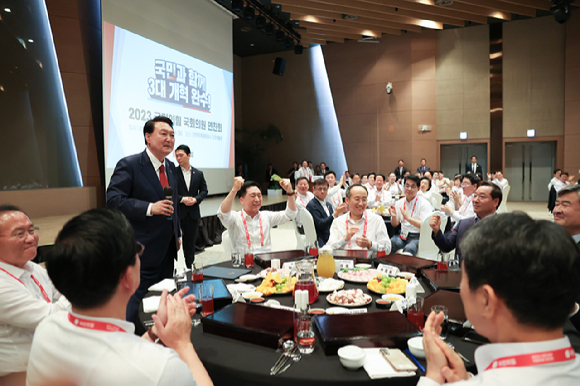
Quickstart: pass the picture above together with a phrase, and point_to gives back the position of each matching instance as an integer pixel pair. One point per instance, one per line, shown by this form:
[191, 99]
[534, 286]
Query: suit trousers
[188, 235]
[410, 245]
[150, 276]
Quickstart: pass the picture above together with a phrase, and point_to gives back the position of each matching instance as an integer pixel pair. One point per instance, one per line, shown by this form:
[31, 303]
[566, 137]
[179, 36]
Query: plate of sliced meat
[358, 275]
[349, 298]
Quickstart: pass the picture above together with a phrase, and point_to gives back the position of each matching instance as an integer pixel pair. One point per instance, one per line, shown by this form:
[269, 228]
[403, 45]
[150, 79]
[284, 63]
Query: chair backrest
[227, 245]
[505, 193]
[436, 200]
[308, 225]
[300, 239]
[427, 248]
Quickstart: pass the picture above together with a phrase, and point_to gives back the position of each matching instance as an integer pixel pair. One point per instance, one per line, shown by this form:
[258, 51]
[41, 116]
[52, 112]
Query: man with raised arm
[250, 228]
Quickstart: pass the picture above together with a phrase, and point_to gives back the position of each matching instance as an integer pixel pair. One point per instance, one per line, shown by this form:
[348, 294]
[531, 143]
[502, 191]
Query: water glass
[445, 324]
[236, 260]
[416, 315]
[206, 298]
[197, 272]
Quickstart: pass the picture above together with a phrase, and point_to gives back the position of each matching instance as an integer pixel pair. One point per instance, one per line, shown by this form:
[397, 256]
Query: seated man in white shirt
[410, 213]
[250, 228]
[95, 264]
[303, 197]
[523, 320]
[335, 191]
[499, 180]
[355, 179]
[458, 207]
[358, 229]
[380, 194]
[304, 171]
[27, 295]
[370, 182]
[393, 186]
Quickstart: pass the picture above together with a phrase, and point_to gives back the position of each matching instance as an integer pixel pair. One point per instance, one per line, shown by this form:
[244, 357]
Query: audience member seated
[380, 194]
[335, 191]
[410, 213]
[486, 200]
[425, 189]
[393, 185]
[355, 179]
[555, 179]
[506, 259]
[562, 182]
[364, 180]
[303, 197]
[250, 228]
[322, 212]
[442, 183]
[95, 264]
[358, 229]
[304, 171]
[499, 180]
[456, 188]
[462, 207]
[347, 179]
[323, 169]
[400, 170]
[428, 174]
[27, 295]
[423, 168]
[292, 172]
[370, 182]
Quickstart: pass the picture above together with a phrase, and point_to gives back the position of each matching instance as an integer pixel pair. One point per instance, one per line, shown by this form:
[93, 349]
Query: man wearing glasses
[322, 212]
[27, 295]
[410, 213]
[460, 208]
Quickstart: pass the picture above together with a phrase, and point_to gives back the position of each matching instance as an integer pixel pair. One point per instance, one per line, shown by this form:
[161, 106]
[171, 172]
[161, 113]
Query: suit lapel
[151, 176]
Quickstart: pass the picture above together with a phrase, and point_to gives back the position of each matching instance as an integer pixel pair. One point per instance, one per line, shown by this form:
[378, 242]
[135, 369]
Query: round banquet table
[233, 362]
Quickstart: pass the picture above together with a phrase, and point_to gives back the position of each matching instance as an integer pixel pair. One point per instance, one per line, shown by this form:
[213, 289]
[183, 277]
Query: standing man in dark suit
[486, 200]
[136, 189]
[322, 212]
[423, 168]
[400, 170]
[191, 190]
[473, 167]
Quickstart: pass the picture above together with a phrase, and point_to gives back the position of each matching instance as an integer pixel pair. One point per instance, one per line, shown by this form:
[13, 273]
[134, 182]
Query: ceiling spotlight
[260, 22]
[561, 10]
[30, 41]
[7, 10]
[280, 36]
[298, 49]
[237, 5]
[288, 43]
[249, 13]
[269, 29]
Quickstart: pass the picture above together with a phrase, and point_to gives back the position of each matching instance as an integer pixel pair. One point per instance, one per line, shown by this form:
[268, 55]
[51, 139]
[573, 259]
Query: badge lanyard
[538, 358]
[248, 234]
[413, 210]
[94, 324]
[364, 229]
[44, 294]
[301, 200]
[466, 206]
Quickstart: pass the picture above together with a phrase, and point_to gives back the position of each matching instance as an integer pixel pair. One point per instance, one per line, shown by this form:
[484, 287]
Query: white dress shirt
[465, 211]
[186, 176]
[393, 188]
[376, 232]
[232, 221]
[422, 209]
[301, 202]
[559, 185]
[502, 184]
[559, 373]
[375, 197]
[22, 308]
[553, 182]
[303, 172]
[64, 353]
[335, 196]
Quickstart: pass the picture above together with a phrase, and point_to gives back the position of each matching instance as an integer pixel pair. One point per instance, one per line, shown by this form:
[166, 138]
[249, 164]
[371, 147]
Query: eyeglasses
[139, 249]
[21, 235]
[410, 187]
[465, 184]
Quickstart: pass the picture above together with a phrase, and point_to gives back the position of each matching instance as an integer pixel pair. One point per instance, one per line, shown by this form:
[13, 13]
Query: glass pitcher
[325, 265]
[305, 273]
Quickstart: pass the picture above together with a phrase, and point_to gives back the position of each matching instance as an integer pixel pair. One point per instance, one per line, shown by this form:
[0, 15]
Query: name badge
[404, 233]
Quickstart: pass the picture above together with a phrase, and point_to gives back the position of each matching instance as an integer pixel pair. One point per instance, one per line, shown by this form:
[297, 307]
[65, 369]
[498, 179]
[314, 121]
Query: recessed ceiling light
[251, 44]
[30, 41]
[7, 10]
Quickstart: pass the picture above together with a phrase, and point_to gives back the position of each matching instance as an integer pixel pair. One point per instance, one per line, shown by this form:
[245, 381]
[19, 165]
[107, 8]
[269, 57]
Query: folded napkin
[151, 304]
[167, 284]
[378, 367]
[236, 296]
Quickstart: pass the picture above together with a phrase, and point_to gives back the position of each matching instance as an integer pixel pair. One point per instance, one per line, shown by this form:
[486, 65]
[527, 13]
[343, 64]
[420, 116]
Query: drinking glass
[236, 260]
[206, 298]
[179, 278]
[416, 315]
[381, 250]
[445, 324]
[197, 272]
[304, 333]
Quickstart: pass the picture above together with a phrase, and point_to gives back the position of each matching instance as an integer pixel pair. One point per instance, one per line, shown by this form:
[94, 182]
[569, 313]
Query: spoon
[287, 347]
[452, 347]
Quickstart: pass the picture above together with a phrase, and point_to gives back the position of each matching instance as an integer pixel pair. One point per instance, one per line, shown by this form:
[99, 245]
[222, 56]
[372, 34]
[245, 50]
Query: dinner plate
[369, 300]
[337, 284]
[392, 297]
[336, 310]
[281, 271]
[248, 277]
[370, 274]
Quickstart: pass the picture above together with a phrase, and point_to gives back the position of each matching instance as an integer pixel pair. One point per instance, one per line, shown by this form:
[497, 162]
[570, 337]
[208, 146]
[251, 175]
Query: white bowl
[416, 347]
[392, 297]
[352, 357]
[363, 265]
[252, 295]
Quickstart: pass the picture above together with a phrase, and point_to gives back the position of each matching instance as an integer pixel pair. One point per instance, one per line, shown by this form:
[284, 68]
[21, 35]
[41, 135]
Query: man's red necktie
[163, 177]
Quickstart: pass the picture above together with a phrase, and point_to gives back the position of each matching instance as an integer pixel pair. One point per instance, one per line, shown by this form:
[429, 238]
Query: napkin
[236, 296]
[151, 304]
[167, 284]
[377, 366]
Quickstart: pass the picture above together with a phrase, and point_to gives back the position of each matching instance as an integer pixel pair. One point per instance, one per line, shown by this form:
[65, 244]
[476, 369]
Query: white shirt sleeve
[176, 372]
[337, 233]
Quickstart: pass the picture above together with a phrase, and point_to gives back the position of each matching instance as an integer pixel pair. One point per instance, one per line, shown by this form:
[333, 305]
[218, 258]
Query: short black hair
[557, 170]
[564, 174]
[400, 161]
[428, 171]
[532, 265]
[249, 184]
[323, 163]
[356, 174]
[423, 159]
[320, 181]
[347, 193]
[458, 177]
[425, 178]
[364, 175]
[149, 126]
[372, 174]
[415, 179]
[4, 208]
[330, 172]
[471, 177]
[495, 191]
[90, 254]
[380, 175]
[301, 178]
[185, 148]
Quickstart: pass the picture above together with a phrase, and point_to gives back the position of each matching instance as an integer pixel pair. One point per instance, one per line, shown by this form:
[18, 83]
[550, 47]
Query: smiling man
[27, 295]
[486, 200]
[136, 189]
[462, 207]
[250, 228]
[303, 197]
[358, 229]
[322, 212]
[505, 259]
[567, 211]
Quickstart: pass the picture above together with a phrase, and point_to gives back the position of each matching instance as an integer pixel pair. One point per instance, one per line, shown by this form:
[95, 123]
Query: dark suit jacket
[197, 190]
[450, 241]
[477, 168]
[134, 185]
[322, 222]
[398, 174]
[427, 168]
